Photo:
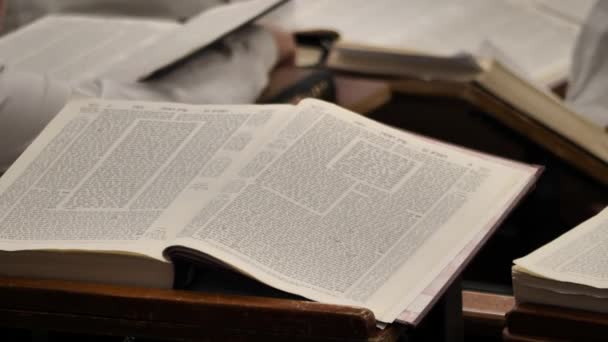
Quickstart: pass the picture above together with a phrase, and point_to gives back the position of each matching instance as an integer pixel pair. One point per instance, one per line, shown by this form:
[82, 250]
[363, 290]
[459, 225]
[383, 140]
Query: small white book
[76, 47]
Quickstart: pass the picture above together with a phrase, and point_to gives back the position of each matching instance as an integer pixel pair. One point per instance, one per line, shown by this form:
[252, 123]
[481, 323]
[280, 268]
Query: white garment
[233, 73]
[588, 86]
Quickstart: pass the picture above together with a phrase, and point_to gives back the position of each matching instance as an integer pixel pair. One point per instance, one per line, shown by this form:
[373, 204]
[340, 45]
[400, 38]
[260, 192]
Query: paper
[578, 257]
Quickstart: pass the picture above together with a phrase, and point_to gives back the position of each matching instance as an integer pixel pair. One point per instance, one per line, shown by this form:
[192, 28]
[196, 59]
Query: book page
[72, 47]
[341, 209]
[122, 176]
[196, 34]
[444, 27]
[578, 256]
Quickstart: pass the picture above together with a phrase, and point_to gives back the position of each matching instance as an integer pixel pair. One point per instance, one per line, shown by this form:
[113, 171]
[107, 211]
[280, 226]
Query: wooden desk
[485, 313]
[169, 314]
[180, 315]
[531, 322]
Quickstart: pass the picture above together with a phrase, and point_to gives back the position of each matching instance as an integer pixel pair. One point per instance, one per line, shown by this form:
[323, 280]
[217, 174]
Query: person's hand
[286, 45]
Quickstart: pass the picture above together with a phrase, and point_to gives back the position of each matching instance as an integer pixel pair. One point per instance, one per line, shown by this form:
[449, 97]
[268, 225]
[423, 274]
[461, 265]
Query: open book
[310, 199]
[534, 34]
[571, 271]
[492, 75]
[76, 47]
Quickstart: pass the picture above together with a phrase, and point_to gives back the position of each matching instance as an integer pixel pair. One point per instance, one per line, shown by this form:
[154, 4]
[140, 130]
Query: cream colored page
[522, 277]
[579, 256]
[70, 47]
[120, 176]
[444, 27]
[341, 209]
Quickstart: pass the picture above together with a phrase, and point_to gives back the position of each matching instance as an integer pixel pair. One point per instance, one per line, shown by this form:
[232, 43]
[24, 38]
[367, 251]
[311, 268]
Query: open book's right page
[579, 256]
[341, 209]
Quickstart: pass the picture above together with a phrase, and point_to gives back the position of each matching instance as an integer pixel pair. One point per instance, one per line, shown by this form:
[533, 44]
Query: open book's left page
[122, 176]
